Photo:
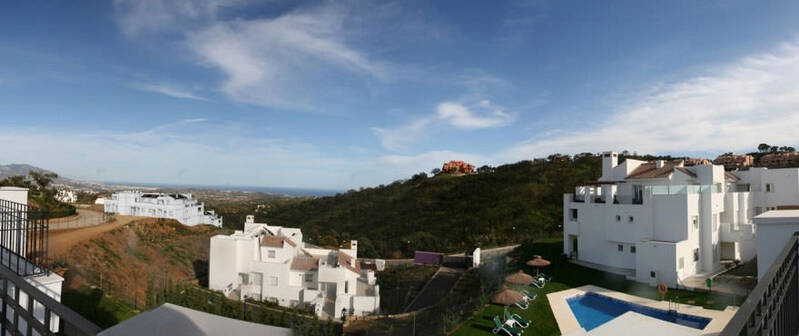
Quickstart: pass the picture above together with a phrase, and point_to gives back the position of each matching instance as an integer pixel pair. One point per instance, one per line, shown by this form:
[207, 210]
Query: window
[696, 254]
[695, 222]
[632, 249]
[574, 214]
[769, 187]
[308, 277]
[346, 287]
[270, 254]
[618, 218]
[620, 247]
[652, 274]
[630, 219]
[273, 281]
[682, 262]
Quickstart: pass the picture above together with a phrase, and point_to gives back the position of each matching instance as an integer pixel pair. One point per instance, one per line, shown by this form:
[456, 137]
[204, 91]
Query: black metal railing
[27, 310]
[23, 238]
[29, 306]
[773, 306]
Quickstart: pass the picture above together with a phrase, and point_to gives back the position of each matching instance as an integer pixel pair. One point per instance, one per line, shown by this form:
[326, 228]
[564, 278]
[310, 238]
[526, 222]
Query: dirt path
[59, 242]
[84, 218]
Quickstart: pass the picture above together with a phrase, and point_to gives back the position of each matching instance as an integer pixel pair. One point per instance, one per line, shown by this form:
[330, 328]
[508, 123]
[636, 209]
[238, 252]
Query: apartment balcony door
[573, 246]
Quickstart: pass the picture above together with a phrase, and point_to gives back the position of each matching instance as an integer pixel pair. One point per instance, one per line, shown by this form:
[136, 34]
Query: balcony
[23, 252]
[771, 308]
[578, 198]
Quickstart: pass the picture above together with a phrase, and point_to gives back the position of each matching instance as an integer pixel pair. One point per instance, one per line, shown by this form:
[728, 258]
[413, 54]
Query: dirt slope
[126, 259]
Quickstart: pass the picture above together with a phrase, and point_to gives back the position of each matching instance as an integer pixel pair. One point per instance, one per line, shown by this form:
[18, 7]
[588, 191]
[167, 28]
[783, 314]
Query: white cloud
[276, 61]
[462, 117]
[733, 108]
[169, 90]
[135, 17]
[447, 115]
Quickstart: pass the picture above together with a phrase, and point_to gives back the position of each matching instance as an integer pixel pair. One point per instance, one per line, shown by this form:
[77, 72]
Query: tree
[435, 171]
[42, 180]
[16, 181]
[763, 147]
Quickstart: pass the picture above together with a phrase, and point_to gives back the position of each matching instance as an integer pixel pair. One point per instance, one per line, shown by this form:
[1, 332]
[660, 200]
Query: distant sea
[295, 192]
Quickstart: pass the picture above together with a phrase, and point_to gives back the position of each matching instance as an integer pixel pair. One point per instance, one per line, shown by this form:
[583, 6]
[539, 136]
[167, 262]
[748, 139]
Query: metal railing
[773, 306]
[28, 306]
[29, 311]
[23, 238]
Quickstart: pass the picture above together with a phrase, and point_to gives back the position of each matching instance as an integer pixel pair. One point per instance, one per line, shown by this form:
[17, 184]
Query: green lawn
[103, 310]
[566, 275]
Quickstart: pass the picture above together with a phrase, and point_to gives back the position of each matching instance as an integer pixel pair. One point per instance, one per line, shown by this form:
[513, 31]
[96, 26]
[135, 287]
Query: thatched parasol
[519, 278]
[538, 262]
[506, 297]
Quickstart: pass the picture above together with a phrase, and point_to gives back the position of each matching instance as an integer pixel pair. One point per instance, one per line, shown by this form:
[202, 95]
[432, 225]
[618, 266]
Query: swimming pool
[593, 310]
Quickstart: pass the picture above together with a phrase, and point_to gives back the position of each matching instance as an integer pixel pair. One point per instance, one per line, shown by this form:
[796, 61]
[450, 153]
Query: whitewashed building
[181, 207]
[774, 229]
[663, 222]
[66, 195]
[272, 263]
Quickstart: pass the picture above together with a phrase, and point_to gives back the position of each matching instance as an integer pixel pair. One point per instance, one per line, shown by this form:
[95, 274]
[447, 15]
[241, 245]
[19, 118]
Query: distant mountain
[23, 169]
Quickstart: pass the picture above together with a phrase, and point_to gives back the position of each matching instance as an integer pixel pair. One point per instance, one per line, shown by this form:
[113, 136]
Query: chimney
[354, 248]
[659, 163]
[609, 161]
[250, 219]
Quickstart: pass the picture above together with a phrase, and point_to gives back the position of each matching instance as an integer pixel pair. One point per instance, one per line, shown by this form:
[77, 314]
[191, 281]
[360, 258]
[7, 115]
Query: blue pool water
[593, 310]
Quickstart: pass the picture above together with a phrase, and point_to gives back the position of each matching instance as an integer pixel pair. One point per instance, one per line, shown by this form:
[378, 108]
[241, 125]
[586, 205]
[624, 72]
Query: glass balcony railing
[683, 189]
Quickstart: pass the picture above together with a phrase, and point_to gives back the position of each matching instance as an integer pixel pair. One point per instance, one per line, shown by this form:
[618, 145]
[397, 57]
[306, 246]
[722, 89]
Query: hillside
[14, 169]
[501, 205]
[139, 259]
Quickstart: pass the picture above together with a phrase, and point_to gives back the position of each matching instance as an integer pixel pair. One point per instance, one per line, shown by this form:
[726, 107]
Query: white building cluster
[661, 221]
[181, 207]
[272, 263]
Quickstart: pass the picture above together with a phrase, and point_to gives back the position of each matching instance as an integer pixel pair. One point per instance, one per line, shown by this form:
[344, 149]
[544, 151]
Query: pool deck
[568, 325]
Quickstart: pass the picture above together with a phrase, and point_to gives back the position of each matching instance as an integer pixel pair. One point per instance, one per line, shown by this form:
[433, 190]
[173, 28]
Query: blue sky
[347, 94]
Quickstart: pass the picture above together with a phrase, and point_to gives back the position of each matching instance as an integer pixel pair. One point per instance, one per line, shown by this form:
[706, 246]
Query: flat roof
[777, 217]
[173, 320]
[13, 188]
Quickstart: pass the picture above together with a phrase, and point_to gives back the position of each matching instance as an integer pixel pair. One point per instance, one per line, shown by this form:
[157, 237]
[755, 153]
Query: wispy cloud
[169, 90]
[447, 115]
[734, 107]
[275, 61]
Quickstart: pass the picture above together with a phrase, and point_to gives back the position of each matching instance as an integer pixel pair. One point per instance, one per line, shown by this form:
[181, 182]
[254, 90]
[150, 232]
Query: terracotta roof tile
[649, 170]
[304, 264]
[272, 241]
[344, 261]
[276, 241]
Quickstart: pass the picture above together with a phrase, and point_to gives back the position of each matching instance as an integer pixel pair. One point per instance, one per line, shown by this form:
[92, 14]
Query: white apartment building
[66, 196]
[272, 263]
[181, 207]
[661, 221]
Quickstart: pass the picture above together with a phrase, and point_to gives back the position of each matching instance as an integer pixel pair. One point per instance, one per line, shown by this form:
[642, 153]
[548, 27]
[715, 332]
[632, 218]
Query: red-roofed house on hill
[458, 167]
[731, 161]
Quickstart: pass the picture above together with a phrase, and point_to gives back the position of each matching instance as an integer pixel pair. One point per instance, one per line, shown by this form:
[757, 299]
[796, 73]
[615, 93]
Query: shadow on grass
[96, 307]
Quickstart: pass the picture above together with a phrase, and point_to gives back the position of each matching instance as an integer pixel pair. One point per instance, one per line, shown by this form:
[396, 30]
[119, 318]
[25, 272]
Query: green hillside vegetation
[41, 193]
[498, 206]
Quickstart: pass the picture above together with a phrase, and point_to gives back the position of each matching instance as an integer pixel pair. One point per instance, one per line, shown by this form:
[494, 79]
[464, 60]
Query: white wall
[771, 240]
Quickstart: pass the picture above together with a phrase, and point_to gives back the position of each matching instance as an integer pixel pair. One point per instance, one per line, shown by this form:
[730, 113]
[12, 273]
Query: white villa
[272, 263]
[181, 207]
[661, 221]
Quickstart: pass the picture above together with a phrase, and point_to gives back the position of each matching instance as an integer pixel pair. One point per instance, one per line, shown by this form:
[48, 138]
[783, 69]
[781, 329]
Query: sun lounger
[504, 328]
[540, 283]
[527, 296]
[517, 320]
[522, 304]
